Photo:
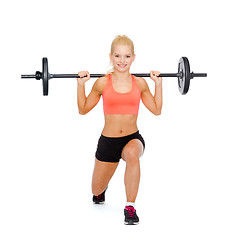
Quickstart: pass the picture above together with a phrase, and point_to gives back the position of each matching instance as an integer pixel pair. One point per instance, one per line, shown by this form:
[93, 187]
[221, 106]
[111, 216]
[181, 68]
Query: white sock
[130, 204]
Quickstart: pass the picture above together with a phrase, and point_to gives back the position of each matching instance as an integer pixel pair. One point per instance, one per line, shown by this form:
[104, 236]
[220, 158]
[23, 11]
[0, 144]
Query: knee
[132, 157]
[96, 190]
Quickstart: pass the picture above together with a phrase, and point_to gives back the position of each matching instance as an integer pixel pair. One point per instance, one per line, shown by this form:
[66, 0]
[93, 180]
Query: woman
[120, 137]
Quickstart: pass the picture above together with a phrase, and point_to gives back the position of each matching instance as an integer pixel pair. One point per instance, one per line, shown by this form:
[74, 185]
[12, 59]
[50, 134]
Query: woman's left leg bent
[131, 154]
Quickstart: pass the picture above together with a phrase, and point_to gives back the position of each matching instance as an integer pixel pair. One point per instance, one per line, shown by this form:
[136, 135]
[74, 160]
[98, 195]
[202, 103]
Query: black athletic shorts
[109, 149]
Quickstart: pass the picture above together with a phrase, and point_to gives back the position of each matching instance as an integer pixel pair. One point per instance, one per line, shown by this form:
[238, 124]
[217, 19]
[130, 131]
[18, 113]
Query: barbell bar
[184, 75]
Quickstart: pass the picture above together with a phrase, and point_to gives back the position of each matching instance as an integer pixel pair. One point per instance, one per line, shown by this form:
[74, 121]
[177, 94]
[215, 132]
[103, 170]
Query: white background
[190, 170]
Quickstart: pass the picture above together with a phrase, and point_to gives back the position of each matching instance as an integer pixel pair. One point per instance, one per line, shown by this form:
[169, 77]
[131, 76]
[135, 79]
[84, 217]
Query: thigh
[103, 172]
[133, 149]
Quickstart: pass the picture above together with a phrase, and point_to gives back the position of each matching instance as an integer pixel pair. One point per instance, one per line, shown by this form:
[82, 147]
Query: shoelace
[131, 211]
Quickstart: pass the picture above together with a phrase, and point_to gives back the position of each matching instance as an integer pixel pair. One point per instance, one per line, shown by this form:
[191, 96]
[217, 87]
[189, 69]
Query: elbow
[157, 113]
[82, 112]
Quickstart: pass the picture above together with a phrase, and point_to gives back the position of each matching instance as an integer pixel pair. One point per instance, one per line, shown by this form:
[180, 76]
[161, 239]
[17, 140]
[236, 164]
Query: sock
[130, 204]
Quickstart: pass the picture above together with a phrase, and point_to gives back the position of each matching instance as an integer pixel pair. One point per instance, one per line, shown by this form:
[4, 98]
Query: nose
[122, 59]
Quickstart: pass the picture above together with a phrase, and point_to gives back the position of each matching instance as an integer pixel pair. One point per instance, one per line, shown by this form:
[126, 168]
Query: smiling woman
[130, 54]
[122, 57]
[120, 138]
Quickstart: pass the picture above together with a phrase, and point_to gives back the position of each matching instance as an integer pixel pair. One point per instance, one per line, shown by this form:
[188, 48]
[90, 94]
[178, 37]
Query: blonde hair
[120, 40]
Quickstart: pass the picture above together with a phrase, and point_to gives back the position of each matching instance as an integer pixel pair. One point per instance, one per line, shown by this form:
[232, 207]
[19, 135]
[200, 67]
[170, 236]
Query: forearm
[81, 97]
[158, 97]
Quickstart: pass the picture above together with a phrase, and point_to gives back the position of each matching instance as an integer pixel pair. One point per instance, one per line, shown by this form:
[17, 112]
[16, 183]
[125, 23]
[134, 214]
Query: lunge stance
[120, 138]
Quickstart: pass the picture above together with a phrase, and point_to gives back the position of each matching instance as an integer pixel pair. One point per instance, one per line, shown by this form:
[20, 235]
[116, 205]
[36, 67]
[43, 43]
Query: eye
[128, 56]
[116, 56]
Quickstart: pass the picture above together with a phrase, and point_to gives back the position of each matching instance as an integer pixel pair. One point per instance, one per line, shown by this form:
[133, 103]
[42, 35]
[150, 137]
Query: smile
[122, 65]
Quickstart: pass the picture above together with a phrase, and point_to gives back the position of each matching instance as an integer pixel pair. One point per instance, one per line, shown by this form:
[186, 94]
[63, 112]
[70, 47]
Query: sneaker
[131, 217]
[100, 199]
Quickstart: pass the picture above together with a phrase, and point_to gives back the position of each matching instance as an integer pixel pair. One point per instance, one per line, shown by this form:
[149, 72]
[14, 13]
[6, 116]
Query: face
[122, 58]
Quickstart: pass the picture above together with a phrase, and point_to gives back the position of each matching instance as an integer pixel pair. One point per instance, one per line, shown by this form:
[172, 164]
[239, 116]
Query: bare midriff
[119, 125]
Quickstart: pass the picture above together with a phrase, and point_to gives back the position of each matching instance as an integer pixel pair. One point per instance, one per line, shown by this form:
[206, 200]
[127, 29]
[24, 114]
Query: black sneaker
[131, 217]
[100, 199]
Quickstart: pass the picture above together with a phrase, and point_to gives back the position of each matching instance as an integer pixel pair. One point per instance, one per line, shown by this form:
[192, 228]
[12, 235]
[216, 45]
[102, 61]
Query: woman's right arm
[86, 104]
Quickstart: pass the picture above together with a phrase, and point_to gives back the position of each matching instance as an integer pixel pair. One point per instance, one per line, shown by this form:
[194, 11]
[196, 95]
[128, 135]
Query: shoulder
[142, 84]
[100, 84]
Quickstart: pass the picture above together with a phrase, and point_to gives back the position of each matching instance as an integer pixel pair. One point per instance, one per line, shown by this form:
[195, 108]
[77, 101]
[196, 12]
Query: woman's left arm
[152, 103]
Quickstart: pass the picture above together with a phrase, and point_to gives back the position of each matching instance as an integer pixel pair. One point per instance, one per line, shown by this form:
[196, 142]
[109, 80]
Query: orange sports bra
[121, 103]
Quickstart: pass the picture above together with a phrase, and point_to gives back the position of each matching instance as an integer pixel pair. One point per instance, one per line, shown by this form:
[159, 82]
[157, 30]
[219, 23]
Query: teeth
[122, 65]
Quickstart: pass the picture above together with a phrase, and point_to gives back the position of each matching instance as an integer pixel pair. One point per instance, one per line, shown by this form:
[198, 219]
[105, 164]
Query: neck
[121, 75]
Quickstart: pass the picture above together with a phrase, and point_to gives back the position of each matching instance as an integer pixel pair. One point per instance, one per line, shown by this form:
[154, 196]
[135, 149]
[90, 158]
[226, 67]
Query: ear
[134, 56]
[110, 57]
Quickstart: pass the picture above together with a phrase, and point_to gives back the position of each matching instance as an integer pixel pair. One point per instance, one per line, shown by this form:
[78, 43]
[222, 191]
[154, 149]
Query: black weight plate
[45, 76]
[184, 81]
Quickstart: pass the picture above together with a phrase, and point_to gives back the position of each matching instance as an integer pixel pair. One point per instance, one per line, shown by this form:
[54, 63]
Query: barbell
[184, 75]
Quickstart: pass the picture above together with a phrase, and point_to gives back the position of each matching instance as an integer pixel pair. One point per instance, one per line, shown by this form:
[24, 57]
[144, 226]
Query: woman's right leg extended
[102, 174]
